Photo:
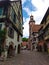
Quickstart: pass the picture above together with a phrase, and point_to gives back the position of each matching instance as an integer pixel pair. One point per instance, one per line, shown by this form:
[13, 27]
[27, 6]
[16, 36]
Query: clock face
[30, 23]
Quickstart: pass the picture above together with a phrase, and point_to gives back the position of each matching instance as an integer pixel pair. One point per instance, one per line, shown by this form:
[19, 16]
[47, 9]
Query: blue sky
[37, 8]
[29, 5]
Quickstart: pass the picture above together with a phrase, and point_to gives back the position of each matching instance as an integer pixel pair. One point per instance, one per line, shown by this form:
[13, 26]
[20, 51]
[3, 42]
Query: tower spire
[32, 21]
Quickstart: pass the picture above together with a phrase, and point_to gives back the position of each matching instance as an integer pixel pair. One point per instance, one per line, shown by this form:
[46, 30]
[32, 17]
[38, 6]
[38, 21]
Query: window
[5, 11]
[20, 26]
[17, 37]
[13, 16]
[1, 11]
[11, 32]
[0, 26]
[14, 19]
[18, 15]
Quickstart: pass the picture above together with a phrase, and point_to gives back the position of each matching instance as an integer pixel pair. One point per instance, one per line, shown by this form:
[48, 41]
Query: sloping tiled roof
[35, 28]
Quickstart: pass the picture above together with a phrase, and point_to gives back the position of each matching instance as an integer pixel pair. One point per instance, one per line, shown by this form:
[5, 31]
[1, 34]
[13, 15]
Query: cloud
[27, 10]
[40, 4]
[41, 8]
[29, 5]
[23, 1]
[26, 28]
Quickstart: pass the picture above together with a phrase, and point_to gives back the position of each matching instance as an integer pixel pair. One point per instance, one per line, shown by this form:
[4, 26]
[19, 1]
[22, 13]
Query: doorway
[18, 48]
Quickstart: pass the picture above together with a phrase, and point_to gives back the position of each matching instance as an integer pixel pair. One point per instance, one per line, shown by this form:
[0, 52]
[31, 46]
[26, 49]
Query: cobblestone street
[28, 58]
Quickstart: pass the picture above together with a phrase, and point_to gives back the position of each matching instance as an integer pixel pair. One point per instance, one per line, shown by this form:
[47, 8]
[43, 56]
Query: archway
[10, 49]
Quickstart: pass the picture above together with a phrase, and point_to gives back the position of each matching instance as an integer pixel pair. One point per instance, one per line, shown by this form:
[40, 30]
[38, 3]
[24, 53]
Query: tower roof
[36, 28]
[32, 19]
[31, 16]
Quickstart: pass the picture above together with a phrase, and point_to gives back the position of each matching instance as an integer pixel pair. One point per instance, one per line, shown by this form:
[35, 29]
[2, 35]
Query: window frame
[18, 37]
[11, 32]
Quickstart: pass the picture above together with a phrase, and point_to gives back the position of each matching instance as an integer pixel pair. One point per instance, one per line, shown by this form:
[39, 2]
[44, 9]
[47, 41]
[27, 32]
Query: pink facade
[24, 43]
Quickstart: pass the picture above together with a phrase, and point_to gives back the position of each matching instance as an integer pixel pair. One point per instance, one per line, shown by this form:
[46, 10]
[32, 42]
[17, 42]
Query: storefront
[40, 45]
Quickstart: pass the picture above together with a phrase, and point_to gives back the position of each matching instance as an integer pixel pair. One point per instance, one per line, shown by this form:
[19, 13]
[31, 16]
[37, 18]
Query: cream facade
[12, 20]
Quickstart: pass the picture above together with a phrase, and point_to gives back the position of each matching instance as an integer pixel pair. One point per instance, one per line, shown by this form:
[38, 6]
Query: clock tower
[31, 23]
